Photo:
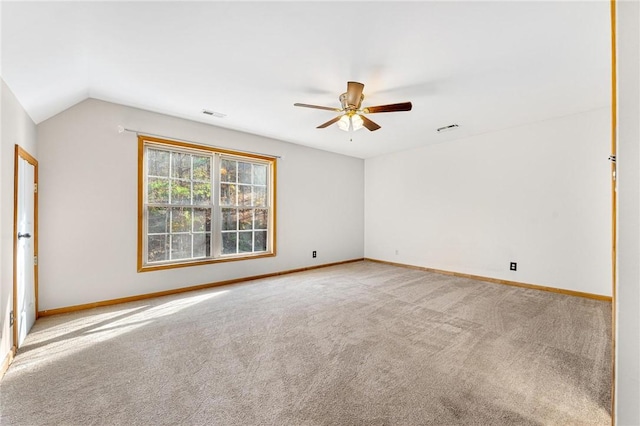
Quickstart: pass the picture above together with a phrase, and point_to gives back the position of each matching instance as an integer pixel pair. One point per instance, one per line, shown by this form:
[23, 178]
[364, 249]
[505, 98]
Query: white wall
[88, 205]
[16, 128]
[538, 195]
[628, 162]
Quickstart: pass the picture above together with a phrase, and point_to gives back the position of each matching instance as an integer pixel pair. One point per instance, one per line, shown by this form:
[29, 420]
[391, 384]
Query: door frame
[614, 203]
[23, 154]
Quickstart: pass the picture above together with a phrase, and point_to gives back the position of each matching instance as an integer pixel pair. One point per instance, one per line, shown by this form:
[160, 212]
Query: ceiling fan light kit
[352, 115]
[350, 122]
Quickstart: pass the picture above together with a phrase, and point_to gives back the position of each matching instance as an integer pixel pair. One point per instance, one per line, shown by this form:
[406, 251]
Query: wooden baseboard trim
[85, 306]
[499, 281]
[8, 359]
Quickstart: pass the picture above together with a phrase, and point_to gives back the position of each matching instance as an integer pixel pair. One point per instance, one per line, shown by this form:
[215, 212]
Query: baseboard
[499, 281]
[85, 306]
[109, 302]
[7, 362]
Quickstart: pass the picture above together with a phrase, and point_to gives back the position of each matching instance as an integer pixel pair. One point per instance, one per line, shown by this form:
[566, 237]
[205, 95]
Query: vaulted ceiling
[482, 65]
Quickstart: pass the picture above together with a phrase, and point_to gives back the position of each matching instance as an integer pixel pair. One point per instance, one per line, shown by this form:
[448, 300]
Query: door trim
[22, 154]
[614, 204]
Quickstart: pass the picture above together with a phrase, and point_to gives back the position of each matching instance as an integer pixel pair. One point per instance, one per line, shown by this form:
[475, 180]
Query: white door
[25, 250]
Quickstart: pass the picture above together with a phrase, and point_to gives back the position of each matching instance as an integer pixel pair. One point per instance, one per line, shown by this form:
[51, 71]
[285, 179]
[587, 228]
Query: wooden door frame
[614, 204]
[23, 154]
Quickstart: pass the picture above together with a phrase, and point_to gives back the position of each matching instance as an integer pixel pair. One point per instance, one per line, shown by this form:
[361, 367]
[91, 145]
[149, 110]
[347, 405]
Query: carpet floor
[357, 344]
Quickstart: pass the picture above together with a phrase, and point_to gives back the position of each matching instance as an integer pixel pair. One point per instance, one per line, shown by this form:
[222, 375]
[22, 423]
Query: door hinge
[35, 188]
[612, 158]
[10, 318]
[35, 260]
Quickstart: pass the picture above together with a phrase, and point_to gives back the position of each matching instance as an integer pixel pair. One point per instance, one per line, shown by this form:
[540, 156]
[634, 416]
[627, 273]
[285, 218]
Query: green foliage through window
[200, 204]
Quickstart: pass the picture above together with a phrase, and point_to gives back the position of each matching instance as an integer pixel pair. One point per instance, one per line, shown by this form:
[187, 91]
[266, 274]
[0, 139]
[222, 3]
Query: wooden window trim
[173, 144]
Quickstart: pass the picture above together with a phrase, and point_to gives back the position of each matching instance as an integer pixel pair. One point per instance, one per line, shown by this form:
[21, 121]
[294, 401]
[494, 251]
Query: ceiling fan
[352, 116]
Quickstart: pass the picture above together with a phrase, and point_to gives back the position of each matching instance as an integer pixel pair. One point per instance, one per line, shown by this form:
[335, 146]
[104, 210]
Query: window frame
[217, 154]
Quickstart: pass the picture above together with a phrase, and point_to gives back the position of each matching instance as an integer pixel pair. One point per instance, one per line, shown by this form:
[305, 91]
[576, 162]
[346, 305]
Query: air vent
[213, 113]
[447, 128]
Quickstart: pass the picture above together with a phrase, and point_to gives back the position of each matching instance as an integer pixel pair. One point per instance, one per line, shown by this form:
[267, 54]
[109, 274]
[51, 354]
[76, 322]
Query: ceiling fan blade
[403, 106]
[354, 93]
[369, 124]
[317, 107]
[329, 123]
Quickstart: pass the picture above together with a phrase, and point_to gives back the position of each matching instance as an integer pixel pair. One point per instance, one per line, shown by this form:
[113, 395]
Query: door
[25, 244]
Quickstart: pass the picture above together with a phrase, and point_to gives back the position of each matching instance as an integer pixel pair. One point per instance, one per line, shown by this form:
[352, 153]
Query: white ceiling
[483, 65]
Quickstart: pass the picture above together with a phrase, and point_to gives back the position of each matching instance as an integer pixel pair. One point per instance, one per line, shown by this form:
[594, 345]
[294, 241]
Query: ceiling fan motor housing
[346, 107]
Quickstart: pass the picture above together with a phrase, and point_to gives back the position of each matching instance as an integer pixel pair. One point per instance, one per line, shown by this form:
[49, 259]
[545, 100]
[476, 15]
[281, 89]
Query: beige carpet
[356, 344]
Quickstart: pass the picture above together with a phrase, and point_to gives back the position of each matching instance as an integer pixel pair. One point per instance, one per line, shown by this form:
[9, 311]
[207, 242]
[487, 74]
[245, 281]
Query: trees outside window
[199, 205]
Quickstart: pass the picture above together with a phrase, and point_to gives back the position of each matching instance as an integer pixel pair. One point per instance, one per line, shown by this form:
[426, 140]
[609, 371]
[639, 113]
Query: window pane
[245, 244]
[181, 246]
[180, 220]
[244, 196]
[201, 193]
[228, 170]
[179, 208]
[180, 192]
[261, 241]
[201, 220]
[158, 220]
[229, 240]
[259, 196]
[158, 190]
[158, 163]
[181, 165]
[227, 194]
[157, 248]
[261, 219]
[244, 172]
[246, 218]
[201, 245]
[201, 168]
[259, 174]
[229, 219]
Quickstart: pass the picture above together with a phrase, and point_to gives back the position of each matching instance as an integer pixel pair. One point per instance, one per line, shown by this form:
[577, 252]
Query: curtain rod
[138, 132]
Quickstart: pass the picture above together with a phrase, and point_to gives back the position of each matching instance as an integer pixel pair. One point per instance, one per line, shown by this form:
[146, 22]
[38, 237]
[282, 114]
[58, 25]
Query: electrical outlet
[11, 319]
[513, 266]
[314, 254]
[397, 252]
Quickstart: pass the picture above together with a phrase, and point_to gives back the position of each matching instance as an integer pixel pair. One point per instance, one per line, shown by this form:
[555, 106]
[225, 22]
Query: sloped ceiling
[483, 65]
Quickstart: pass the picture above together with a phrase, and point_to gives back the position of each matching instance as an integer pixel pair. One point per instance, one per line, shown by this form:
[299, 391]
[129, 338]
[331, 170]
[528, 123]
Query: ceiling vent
[447, 128]
[213, 113]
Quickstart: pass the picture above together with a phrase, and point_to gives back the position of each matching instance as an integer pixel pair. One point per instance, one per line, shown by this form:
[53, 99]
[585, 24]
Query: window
[200, 205]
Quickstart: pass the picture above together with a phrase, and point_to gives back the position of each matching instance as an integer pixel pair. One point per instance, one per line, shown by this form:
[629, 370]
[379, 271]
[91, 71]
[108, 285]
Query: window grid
[222, 211]
[178, 240]
[244, 209]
